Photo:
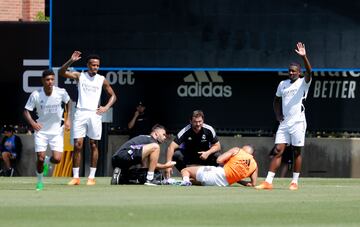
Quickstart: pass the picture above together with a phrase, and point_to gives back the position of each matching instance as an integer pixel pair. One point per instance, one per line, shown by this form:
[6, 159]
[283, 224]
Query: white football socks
[270, 177]
[76, 172]
[186, 179]
[92, 173]
[150, 176]
[295, 177]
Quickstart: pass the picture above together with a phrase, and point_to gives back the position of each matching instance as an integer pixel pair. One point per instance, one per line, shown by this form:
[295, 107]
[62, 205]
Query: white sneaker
[185, 183]
[169, 181]
[152, 182]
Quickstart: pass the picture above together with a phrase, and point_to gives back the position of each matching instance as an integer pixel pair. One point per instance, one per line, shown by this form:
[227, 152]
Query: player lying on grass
[237, 164]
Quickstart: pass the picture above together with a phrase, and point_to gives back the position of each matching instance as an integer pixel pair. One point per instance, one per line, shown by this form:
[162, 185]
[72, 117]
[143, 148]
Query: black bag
[138, 176]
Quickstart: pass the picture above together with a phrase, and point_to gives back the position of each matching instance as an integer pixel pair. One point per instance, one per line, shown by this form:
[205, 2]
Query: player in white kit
[88, 114]
[290, 112]
[48, 129]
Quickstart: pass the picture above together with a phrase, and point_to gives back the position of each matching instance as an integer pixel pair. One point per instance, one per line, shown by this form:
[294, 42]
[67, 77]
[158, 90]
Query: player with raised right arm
[290, 112]
[88, 114]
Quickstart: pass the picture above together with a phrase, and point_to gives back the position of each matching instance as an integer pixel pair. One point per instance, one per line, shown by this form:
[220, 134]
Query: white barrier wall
[322, 157]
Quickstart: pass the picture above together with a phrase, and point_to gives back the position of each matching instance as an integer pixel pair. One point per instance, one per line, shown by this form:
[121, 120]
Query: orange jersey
[239, 166]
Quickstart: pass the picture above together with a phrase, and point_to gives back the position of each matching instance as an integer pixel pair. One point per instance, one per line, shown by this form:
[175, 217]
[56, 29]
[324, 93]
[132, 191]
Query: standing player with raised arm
[88, 115]
[290, 112]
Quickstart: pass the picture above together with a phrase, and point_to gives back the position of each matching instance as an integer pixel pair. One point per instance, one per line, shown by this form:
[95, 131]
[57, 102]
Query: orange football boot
[74, 181]
[91, 181]
[293, 186]
[264, 185]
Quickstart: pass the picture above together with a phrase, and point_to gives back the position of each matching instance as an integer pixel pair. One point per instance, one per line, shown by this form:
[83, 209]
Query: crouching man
[143, 149]
[238, 164]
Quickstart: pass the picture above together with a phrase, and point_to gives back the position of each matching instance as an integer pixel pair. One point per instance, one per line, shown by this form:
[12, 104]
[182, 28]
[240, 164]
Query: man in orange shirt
[238, 164]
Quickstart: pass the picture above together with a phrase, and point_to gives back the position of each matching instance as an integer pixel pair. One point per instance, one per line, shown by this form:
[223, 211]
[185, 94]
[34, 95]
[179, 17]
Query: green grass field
[318, 202]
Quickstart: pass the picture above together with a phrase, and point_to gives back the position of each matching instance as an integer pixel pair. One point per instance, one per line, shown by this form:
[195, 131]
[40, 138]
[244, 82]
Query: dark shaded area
[213, 33]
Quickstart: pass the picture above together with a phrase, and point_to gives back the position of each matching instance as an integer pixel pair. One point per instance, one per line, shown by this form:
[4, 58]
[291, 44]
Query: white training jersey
[292, 95]
[89, 91]
[48, 108]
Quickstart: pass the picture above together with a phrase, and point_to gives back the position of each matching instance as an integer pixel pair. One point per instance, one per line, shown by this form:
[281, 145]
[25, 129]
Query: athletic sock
[270, 177]
[39, 176]
[76, 172]
[150, 176]
[295, 177]
[187, 179]
[92, 173]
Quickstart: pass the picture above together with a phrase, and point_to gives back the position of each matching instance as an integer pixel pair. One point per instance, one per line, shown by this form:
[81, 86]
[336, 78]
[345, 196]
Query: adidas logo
[204, 84]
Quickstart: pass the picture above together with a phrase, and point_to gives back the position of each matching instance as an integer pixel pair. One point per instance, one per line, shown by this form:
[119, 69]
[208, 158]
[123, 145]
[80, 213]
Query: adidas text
[208, 90]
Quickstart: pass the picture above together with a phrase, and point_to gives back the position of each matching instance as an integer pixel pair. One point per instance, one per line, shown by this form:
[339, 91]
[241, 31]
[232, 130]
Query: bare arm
[111, 100]
[301, 51]
[253, 178]
[133, 120]
[278, 109]
[170, 151]
[214, 148]
[222, 159]
[67, 123]
[165, 165]
[63, 70]
[36, 126]
[169, 154]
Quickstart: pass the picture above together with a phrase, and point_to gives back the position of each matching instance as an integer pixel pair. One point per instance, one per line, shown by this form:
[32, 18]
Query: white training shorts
[211, 176]
[87, 123]
[42, 141]
[291, 134]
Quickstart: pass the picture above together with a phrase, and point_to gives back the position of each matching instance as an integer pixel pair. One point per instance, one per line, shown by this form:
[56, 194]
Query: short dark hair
[8, 128]
[92, 56]
[295, 64]
[47, 72]
[197, 113]
[158, 126]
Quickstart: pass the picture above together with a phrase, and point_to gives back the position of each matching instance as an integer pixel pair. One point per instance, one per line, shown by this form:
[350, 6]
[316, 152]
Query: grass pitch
[318, 202]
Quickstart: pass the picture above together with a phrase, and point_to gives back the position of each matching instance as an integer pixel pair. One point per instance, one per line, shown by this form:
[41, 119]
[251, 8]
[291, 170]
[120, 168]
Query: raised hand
[300, 49]
[76, 56]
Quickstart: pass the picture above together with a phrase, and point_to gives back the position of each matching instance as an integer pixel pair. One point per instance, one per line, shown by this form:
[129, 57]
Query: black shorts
[126, 158]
